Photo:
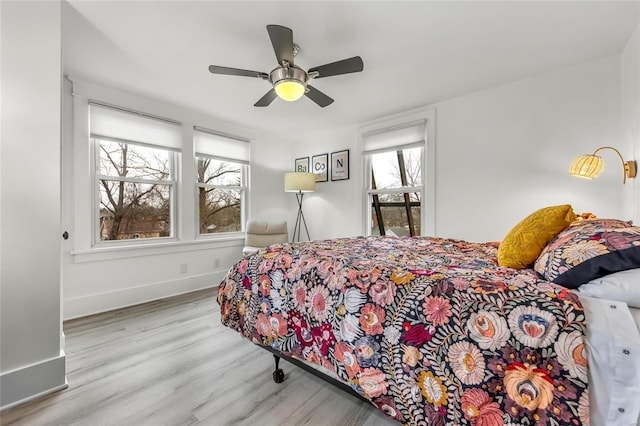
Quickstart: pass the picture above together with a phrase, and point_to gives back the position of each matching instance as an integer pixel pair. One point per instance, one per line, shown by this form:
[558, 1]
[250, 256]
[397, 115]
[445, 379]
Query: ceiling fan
[289, 81]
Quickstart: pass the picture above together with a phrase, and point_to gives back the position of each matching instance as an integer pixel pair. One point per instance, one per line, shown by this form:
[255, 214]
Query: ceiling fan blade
[344, 66]
[318, 97]
[282, 41]
[214, 69]
[266, 99]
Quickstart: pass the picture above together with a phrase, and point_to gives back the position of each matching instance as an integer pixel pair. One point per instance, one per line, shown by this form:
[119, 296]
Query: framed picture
[340, 165]
[320, 167]
[302, 165]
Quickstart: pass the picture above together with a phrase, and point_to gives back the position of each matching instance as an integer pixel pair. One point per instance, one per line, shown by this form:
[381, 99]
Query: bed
[434, 331]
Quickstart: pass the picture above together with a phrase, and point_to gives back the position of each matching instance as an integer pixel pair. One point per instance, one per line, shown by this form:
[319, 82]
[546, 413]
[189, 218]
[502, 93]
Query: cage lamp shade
[591, 165]
[587, 166]
[299, 182]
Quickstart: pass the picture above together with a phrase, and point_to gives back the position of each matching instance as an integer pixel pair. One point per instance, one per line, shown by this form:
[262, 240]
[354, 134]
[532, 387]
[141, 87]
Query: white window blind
[219, 145]
[406, 135]
[129, 126]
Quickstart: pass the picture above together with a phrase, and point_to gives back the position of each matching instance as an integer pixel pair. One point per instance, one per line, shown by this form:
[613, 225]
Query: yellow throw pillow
[523, 244]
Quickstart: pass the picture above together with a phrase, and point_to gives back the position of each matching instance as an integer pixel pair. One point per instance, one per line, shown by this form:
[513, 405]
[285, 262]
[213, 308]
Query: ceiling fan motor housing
[289, 82]
[292, 73]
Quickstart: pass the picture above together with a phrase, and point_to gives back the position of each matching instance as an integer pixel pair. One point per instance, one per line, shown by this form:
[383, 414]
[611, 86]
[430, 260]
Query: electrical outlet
[183, 268]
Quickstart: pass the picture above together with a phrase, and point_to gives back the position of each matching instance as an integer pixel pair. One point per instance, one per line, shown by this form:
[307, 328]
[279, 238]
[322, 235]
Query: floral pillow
[590, 249]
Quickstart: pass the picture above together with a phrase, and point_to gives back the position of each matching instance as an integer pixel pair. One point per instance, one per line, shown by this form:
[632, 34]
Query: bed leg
[278, 374]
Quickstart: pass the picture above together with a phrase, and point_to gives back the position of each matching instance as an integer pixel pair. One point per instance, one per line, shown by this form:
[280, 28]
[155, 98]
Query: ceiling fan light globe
[289, 90]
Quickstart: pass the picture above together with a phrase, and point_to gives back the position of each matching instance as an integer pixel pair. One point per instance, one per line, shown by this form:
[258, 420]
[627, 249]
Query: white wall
[269, 162]
[500, 154]
[97, 279]
[31, 355]
[505, 152]
[334, 210]
[630, 93]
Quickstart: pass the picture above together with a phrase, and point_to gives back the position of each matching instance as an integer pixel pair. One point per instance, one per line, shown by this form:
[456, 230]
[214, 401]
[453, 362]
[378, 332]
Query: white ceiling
[414, 53]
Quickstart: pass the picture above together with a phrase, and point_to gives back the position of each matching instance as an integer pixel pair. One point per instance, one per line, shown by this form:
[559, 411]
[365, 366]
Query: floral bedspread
[430, 330]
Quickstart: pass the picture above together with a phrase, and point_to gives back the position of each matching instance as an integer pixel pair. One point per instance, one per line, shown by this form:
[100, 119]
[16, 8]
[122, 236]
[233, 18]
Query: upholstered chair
[261, 233]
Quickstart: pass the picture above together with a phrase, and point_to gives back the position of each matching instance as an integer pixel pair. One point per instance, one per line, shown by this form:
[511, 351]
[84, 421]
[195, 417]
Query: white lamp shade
[299, 182]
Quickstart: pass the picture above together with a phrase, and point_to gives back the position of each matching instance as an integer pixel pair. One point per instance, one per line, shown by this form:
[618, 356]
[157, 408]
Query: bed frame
[278, 373]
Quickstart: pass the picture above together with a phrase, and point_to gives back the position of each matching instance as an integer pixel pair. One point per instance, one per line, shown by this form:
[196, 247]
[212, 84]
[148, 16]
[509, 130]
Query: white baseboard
[31, 382]
[102, 302]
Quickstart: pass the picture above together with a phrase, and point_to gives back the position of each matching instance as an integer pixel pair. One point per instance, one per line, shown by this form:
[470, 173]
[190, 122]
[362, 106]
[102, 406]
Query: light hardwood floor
[171, 362]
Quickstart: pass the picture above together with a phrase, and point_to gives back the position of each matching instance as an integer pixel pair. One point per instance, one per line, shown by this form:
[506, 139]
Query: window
[394, 157]
[135, 159]
[222, 163]
[138, 172]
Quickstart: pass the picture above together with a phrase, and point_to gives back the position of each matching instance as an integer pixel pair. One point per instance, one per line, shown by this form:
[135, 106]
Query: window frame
[78, 97]
[372, 192]
[207, 143]
[173, 183]
[428, 187]
[243, 188]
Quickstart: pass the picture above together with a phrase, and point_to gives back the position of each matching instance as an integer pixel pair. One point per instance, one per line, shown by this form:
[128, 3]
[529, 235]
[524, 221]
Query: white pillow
[623, 286]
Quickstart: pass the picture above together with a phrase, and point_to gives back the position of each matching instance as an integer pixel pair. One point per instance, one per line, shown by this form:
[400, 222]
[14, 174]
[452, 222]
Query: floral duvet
[430, 330]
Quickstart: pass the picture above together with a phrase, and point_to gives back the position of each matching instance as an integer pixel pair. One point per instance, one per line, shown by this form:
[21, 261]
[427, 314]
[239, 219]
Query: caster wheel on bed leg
[278, 376]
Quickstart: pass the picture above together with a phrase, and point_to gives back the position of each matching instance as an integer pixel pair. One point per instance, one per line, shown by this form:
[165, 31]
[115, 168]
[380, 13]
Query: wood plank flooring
[171, 362]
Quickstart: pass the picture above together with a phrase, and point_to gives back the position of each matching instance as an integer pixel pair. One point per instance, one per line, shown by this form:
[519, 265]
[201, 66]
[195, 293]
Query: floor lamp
[299, 183]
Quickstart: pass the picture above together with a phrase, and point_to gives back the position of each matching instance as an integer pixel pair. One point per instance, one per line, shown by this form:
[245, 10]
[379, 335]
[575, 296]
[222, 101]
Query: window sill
[121, 252]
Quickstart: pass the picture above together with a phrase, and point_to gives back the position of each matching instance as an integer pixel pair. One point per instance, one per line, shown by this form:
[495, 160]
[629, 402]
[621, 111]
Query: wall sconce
[591, 165]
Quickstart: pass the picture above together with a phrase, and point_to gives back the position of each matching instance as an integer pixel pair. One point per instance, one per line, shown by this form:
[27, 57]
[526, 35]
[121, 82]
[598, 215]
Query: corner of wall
[32, 382]
[630, 111]
[33, 362]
